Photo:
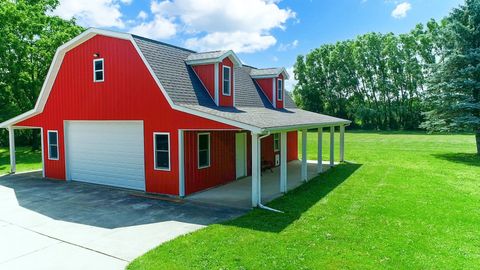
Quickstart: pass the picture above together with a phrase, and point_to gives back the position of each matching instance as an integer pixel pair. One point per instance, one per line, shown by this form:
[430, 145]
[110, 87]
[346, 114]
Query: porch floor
[238, 193]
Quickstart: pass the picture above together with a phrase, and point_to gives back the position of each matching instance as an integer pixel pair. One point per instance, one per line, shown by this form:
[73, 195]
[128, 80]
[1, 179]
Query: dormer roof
[260, 73]
[212, 57]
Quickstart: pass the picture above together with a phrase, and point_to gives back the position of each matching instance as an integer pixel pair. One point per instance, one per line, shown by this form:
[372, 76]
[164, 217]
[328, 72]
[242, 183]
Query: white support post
[342, 143]
[283, 162]
[304, 155]
[255, 170]
[181, 164]
[319, 150]
[332, 146]
[13, 163]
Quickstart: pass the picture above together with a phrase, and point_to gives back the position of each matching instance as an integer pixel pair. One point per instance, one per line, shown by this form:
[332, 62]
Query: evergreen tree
[454, 85]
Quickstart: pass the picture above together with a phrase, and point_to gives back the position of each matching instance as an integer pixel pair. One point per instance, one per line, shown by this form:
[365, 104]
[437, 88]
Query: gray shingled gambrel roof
[265, 71]
[251, 106]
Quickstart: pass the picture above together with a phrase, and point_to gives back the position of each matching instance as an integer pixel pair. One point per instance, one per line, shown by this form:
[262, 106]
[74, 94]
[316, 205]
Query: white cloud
[241, 25]
[285, 47]
[401, 10]
[238, 41]
[158, 28]
[126, 2]
[290, 84]
[142, 15]
[92, 13]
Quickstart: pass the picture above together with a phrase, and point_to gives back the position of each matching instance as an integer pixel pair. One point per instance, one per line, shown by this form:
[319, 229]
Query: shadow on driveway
[105, 207]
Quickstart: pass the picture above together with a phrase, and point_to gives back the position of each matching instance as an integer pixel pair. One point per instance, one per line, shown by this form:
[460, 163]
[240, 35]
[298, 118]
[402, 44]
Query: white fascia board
[308, 126]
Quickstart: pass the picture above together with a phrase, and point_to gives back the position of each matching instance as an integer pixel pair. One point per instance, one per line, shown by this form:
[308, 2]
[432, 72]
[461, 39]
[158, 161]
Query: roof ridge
[163, 43]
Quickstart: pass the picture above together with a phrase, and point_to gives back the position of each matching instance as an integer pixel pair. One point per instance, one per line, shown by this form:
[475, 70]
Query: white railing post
[255, 170]
[342, 143]
[319, 150]
[13, 163]
[283, 162]
[304, 155]
[332, 146]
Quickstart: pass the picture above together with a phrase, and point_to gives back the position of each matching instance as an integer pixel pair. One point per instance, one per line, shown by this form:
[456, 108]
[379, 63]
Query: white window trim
[102, 70]
[198, 150]
[155, 152]
[229, 80]
[280, 97]
[276, 137]
[48, 145]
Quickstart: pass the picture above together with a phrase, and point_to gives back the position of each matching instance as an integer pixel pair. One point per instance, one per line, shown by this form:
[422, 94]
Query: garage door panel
[108, 153]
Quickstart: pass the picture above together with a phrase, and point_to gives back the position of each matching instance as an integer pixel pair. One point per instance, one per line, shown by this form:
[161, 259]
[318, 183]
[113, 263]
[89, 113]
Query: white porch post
[342, 143]
[319, 150]
[255, 170]
[332, 146]
[181, 163]
[304, 155]
[283, 162]
[13, 163]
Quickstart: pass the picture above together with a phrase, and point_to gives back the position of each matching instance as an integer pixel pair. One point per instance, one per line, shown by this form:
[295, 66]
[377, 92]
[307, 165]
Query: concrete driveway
[48, 224]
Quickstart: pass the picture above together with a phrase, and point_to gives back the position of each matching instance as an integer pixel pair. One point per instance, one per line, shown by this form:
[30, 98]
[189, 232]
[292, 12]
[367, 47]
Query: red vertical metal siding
[266, 86]
[279, 103]
[128, 93]
[226, 101]
[222, 161]
[292, 145]
[206, 74]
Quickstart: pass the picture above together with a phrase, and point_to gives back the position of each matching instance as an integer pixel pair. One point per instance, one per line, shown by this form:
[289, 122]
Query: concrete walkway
[47, 224]
[239, 193]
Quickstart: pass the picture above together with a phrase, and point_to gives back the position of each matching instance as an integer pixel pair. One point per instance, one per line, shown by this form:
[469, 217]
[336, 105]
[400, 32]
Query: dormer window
[280, 89]
[98, 70]
[226, 81]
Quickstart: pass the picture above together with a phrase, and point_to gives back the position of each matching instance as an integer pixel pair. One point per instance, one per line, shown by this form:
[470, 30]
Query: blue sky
[264, 33]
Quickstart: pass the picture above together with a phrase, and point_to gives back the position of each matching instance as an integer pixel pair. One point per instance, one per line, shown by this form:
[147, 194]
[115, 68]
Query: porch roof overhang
[263, 120]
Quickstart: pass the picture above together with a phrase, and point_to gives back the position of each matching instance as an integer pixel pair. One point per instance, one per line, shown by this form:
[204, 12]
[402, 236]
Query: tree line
[376, 80]
[428, 78]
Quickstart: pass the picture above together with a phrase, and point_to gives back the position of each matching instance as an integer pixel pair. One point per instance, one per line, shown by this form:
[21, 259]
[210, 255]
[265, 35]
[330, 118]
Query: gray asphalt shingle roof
[205, 55]
[252, 107]
[265, 71]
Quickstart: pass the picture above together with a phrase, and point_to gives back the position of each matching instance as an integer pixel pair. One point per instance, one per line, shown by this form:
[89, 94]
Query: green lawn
[407, 201]
[27, 160]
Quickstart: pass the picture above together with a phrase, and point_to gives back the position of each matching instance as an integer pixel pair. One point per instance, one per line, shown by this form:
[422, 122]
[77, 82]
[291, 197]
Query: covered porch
[237, 194]
[265, 185]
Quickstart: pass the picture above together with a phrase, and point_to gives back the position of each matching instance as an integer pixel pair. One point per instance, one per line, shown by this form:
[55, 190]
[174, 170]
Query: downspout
[260, 205]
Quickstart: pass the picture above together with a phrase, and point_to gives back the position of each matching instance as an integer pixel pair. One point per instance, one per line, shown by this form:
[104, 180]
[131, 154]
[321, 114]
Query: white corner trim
[215, 83]
[274, 92]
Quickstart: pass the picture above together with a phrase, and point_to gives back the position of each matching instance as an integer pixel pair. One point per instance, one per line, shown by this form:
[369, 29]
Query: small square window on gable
[227, 75]
[98, 70]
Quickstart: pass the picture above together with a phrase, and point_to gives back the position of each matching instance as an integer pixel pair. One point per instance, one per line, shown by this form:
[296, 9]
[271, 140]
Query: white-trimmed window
[280, 89]
[52, 137]
[276, 142]
[98, 70]
[203, 142]
[227, 76]
[161, 148]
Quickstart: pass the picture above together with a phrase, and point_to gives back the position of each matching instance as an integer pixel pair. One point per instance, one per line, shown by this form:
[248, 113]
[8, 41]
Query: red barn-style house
[122, 110]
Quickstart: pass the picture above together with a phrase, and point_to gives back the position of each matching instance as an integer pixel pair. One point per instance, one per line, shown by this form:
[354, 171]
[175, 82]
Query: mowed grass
[407, 201]
[27, 160]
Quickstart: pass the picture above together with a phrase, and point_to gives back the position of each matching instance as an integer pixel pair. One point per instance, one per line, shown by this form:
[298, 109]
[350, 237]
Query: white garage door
[107, 153]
